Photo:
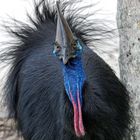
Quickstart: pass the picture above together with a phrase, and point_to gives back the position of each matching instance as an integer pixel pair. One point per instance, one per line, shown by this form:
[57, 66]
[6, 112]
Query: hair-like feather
[34, 89]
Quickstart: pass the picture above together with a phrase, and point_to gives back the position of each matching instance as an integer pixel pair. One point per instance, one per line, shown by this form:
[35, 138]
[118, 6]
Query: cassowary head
[68, 49]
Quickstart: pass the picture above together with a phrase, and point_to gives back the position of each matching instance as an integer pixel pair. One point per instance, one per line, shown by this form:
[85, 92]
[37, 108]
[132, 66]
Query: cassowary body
[57, 98]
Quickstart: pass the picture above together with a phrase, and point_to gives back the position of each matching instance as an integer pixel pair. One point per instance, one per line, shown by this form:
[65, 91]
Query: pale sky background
[108, 8]
[18, 8]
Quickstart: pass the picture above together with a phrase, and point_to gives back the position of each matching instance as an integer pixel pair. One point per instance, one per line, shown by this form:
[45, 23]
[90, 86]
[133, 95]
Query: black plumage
[35, 92]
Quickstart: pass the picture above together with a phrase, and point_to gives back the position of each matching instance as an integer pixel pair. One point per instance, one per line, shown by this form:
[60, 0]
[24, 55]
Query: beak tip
[65, 61]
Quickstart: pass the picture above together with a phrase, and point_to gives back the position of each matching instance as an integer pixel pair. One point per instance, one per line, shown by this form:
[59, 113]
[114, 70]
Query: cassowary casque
[58, 88]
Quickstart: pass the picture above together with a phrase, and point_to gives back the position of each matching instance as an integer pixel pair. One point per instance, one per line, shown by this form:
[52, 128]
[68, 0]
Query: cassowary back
[35, 89]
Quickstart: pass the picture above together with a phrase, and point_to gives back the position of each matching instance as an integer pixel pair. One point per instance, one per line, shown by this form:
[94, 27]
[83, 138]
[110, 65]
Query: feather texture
[35, 92]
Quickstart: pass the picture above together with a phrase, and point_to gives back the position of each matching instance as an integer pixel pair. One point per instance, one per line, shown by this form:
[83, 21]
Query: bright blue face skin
[74, 76]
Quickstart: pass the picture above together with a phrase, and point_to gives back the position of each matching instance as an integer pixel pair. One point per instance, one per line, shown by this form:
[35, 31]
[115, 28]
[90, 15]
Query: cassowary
[57, 87]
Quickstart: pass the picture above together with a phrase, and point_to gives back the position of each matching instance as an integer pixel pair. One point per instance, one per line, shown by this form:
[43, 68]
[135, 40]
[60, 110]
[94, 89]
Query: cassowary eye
[57, 46]
[57, 49]
[74, 44]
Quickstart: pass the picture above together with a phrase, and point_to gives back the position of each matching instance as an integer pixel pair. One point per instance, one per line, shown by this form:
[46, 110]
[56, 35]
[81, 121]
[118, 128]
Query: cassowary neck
[74, 78]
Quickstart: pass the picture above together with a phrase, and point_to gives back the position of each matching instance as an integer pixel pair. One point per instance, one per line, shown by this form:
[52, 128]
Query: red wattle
[78, 120]
[81, 126]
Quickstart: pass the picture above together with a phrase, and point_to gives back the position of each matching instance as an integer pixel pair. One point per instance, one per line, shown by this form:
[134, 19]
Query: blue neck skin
[74, 78]
[74, 75]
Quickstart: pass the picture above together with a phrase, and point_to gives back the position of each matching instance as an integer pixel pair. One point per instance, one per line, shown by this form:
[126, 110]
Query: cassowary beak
[65, 41]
